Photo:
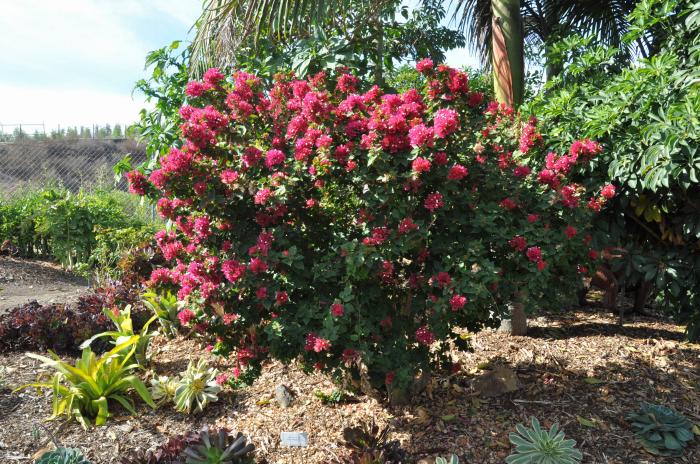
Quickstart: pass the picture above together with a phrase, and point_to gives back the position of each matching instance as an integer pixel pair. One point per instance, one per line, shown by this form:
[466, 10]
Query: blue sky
[74, 62]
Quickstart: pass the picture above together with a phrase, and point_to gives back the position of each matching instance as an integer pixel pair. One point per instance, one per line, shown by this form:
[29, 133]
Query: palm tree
[226, 24]
[545, 21]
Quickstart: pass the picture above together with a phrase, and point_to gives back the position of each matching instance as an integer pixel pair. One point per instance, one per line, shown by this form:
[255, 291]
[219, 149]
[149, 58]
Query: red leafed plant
[355, 229]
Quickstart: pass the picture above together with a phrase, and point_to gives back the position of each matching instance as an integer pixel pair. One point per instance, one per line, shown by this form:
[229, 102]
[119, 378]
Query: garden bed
[583, 371]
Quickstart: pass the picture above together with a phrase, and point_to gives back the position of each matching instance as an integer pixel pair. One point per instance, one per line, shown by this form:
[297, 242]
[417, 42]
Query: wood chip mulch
[583, 371]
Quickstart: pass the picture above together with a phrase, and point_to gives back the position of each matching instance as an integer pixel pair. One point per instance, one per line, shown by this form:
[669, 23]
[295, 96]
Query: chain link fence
[72, 164]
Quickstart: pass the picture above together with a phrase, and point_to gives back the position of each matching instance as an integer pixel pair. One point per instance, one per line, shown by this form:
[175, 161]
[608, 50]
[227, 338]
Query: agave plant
[452, 460]
[163, 388]
[539, 446]
[219, 447]
[84, 391]
[63, 456]
[197, 387]
[661, 431]
[371, 445]
[125, 330]
[165, 306]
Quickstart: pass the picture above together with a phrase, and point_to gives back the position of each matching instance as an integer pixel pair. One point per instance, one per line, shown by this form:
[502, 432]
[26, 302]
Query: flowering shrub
[357, 229]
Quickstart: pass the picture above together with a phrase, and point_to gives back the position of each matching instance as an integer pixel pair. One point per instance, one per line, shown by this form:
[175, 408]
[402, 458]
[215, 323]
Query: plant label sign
[295, 439]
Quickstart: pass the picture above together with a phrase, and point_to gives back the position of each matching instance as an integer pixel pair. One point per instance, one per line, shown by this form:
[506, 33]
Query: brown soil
[583, 371]
[22, 281]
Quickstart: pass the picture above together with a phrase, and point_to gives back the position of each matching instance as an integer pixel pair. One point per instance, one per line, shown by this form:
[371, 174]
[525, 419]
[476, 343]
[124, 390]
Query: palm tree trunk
[508, 52]
[379, 59]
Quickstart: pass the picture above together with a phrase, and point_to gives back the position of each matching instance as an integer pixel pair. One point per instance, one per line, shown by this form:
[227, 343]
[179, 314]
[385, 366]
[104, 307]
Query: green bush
[647, 116]
[84, 230]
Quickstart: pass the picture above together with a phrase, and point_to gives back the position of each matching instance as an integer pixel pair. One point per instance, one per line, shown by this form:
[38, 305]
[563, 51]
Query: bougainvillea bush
[355, 230]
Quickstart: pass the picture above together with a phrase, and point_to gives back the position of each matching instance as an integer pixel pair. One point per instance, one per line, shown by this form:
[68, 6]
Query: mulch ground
[583, 371]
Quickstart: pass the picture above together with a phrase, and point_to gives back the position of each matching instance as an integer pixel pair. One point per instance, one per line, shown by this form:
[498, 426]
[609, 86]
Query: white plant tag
[294, 439]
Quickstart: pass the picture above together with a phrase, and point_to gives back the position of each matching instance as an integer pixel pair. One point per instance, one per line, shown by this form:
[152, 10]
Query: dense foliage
[358, 229]
[647, 118]
[56, 223]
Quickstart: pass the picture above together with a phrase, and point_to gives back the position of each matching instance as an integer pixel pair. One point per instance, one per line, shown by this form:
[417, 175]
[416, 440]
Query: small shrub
[84, 391]
[63, 456]
[537, 446]
[219, 447]
[334, 397]
[661, 431]
[370, 444]
[168, 453]
[197, 388]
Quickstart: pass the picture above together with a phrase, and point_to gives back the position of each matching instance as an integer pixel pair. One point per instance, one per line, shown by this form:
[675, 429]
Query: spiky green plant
[165, 306]
[163, 388]
[124, 331]
[63, 456]
[452, 460]
[84, 391]
[540, 446]
[197, 388]
[661, 431]
[219, 447]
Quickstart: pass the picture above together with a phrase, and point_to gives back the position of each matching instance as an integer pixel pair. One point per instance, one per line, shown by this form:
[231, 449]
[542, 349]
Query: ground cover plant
[63, 327]
[357, 229]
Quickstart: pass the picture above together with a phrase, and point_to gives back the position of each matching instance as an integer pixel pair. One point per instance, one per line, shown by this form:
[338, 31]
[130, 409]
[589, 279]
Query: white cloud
[65, 107]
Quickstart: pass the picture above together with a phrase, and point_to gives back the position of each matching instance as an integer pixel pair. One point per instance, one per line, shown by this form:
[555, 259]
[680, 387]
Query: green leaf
[586, 422]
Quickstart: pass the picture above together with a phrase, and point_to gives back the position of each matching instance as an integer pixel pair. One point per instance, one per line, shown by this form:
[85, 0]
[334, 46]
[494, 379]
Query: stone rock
[496, 382]
[284, 396]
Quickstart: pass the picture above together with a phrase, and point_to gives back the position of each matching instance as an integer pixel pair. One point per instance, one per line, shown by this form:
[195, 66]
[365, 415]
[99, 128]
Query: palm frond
[225, 25]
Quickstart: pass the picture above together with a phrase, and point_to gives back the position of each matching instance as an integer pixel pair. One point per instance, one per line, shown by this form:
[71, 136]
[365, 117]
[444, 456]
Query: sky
[75, 62]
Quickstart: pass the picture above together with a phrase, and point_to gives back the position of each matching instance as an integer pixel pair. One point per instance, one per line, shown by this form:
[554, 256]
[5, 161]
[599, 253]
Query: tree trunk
[379, 59]
[507, 52]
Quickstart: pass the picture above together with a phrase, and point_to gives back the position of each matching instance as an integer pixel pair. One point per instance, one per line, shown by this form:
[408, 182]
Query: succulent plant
[219, 447]
[661, 431]
[197, 387]
[452, 460]
[163, 388]
[371, 445]
[63, 456]
[540, 446]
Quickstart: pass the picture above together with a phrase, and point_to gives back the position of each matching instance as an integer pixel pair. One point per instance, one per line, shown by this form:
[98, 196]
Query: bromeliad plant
[661, 431]
[85, 390]
[539, 446]
[166, 308]
[356, 229]
[125, 331]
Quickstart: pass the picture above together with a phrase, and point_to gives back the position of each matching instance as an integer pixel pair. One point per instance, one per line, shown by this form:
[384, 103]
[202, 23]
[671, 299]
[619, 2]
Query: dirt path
[22, 281]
